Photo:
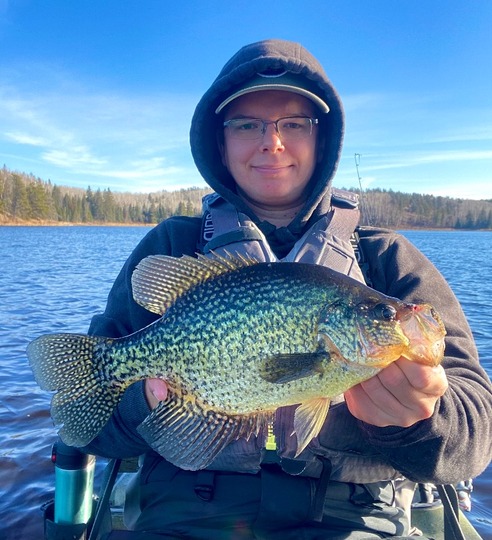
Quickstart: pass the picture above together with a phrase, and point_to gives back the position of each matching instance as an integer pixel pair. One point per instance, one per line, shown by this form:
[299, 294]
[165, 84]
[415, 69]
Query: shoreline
[70, 224]
[47, 223]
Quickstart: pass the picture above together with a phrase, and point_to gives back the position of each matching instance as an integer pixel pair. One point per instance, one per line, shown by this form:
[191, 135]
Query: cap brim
[275, 86]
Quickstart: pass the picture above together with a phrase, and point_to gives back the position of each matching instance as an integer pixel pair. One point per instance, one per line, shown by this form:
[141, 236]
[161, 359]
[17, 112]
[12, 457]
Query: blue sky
[101, 93]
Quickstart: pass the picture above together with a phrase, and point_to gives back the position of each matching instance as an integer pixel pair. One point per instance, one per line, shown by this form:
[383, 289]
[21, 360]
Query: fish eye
[385, 311]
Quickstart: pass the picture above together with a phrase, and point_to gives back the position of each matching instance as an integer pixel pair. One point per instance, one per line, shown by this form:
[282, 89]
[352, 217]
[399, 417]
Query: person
[267, 138]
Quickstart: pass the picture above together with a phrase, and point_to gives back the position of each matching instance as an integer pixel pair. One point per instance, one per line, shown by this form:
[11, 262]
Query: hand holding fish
[402, 394]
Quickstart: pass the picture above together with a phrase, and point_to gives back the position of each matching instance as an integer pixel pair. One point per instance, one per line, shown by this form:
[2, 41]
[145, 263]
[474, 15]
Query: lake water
[53, 279]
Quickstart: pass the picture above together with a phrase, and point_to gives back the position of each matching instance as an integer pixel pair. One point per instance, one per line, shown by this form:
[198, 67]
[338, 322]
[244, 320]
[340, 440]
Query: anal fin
[190, 436]
[309, 418]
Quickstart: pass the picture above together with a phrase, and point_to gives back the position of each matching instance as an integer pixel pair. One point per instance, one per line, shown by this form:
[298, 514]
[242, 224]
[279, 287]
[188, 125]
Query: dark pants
[172, 503]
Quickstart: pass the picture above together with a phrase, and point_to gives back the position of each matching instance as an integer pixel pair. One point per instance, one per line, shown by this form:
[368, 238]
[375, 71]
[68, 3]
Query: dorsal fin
[159, 280]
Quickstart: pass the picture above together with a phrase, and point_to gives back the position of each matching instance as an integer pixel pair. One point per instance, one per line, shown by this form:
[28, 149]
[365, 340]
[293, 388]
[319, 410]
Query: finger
[426, 379]
[372, 403]
[408, 400]
[391, 399]
[159, 388]
[155, 391]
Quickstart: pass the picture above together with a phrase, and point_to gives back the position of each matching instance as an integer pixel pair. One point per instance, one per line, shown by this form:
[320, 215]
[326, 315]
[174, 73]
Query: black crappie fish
[237, 339]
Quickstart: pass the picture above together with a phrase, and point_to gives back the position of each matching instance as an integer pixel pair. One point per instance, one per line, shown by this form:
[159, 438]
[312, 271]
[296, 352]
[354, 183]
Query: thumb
[156, 390]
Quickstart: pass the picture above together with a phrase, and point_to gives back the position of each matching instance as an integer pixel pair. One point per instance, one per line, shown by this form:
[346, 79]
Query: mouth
[271, 169]
[425, 330]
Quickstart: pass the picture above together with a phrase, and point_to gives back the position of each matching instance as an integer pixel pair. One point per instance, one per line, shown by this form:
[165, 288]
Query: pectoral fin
[189, 436]
[283, 368]
[308, 421]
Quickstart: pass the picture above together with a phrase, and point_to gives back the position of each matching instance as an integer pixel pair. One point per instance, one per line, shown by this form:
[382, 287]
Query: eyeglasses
[289, 128]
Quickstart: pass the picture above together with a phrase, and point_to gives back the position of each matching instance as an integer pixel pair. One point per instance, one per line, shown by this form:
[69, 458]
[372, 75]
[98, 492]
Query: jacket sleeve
[456, 442]
[123, 316]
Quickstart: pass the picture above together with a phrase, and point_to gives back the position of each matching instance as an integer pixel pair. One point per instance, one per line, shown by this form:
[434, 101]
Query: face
[269, 172]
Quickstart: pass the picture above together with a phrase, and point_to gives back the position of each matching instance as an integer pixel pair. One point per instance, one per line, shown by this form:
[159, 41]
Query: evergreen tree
[190, 209]
[181, 209]
[57, 197]
[20, 201]
[108, 208]
[40, 202]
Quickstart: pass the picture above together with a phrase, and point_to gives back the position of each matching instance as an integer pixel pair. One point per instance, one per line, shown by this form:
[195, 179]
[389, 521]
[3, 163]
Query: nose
[271, 140]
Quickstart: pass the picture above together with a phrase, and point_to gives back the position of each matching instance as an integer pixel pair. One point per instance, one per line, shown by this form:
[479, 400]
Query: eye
[384, 311]
[247, 125]
[294, 124]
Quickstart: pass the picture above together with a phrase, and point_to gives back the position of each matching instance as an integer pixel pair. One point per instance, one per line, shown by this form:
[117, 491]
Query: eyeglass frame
[265, 123]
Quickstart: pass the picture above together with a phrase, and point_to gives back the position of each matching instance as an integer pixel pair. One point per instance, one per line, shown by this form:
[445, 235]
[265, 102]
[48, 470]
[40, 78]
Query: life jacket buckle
[204, 485]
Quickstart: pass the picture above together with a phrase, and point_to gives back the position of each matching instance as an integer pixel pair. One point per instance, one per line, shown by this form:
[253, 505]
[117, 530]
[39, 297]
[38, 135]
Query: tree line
[26, 198]
[396, 210]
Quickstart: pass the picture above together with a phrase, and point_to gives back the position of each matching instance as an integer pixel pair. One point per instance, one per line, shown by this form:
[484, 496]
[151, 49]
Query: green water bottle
[74, 482]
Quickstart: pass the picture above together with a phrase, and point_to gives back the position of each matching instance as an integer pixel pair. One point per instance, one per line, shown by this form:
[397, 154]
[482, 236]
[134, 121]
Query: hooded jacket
[260, 57]
[459, 432]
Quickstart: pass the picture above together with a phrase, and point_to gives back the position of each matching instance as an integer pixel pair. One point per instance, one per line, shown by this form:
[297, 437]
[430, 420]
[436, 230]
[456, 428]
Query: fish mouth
[425, 331]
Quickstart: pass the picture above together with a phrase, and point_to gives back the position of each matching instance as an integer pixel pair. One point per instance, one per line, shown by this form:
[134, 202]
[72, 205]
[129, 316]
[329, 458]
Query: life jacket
[329, 242]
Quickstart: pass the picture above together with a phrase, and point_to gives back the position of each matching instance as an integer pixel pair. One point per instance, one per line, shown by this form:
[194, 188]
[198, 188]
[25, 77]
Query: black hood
[260, 57]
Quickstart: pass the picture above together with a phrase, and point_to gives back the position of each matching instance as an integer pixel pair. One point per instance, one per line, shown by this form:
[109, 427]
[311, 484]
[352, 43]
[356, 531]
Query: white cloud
[379, 162]
[25, 138]
[78, 134]
[73, 158]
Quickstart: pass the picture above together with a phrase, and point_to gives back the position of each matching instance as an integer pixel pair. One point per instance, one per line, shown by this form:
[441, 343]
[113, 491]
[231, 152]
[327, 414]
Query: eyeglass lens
[288, 128]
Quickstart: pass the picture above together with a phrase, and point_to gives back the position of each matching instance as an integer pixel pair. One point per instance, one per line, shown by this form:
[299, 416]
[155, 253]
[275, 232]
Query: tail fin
[76, 367]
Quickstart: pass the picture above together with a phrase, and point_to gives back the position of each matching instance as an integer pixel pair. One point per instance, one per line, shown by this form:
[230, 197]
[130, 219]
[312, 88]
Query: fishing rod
[361, 191]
